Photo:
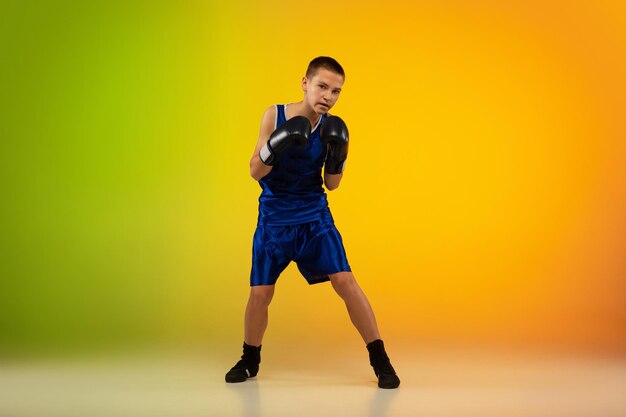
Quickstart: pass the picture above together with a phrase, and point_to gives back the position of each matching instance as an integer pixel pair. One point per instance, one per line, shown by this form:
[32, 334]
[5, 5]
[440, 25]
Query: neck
[300, 109]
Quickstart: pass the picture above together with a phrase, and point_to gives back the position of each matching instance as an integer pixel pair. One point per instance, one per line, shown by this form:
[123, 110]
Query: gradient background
[483, 204]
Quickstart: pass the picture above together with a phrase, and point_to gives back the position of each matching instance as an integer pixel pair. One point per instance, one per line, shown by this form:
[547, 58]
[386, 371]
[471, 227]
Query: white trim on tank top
[286, 118]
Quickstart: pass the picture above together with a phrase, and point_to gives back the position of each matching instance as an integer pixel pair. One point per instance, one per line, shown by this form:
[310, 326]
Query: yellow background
[483, 202]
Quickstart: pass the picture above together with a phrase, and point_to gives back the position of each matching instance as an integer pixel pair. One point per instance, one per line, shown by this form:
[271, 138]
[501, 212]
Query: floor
[434, 383]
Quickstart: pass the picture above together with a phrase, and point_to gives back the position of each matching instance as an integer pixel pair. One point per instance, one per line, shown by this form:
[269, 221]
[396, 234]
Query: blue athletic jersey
[292, 191]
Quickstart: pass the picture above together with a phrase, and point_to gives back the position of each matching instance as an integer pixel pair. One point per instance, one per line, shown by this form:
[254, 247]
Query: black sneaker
[379, 360]
[247, 367]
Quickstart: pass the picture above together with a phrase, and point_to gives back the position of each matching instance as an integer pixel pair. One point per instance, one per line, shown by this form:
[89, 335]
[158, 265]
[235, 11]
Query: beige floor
[434, 383]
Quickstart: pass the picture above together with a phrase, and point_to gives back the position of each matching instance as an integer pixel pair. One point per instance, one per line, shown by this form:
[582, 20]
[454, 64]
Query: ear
[304, 83]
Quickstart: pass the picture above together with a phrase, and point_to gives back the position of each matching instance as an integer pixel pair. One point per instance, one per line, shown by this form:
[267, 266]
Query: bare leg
[359, 308]
[256, 315]
[363, 319]
[255, 323]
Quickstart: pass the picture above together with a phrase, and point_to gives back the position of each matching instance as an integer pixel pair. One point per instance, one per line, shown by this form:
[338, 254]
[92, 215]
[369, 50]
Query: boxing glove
[294, 132]
[334, 134]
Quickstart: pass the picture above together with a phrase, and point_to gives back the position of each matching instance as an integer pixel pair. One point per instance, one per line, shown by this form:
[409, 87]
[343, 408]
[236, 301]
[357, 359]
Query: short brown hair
[324, 62]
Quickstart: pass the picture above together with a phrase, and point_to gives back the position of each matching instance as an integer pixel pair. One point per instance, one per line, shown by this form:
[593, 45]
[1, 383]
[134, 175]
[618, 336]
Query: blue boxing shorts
[316, 247]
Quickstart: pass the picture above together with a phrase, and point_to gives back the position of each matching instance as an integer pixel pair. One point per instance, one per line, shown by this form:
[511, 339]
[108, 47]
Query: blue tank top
[292, 191]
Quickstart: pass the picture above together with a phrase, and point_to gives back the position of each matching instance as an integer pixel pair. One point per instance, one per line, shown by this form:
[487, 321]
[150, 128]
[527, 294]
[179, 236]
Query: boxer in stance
[296, 141]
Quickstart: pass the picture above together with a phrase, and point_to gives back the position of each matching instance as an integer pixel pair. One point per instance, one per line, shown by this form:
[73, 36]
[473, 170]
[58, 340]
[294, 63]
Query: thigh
[320, 252]
[272, 251]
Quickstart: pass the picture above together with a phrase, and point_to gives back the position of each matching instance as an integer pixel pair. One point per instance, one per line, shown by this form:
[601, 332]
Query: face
[321, 91]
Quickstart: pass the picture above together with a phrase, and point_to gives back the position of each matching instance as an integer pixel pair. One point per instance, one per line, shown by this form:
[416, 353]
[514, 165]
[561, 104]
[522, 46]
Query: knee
[344, 284]
[261, 295]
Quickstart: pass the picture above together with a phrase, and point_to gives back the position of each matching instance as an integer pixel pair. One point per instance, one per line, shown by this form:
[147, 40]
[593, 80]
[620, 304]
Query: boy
[295, 224]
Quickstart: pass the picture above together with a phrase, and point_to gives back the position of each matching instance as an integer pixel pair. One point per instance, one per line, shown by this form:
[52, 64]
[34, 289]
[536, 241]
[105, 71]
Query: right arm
[272, 144]
[257, 168]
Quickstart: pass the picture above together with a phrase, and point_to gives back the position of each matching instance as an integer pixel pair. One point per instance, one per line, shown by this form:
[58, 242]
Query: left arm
[332, 181]
[334, 134]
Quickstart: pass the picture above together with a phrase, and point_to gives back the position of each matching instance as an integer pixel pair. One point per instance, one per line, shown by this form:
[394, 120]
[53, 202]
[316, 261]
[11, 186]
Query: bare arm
[257, 168]
[332, 181]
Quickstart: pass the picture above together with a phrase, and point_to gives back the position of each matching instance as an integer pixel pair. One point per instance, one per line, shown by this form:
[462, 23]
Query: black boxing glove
[294, 132]
[334, 133]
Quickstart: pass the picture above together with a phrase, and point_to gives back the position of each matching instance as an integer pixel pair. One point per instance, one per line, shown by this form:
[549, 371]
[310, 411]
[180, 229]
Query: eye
[323, 87]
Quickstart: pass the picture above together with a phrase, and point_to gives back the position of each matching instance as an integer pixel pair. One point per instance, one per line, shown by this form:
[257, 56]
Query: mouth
[324, 105]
